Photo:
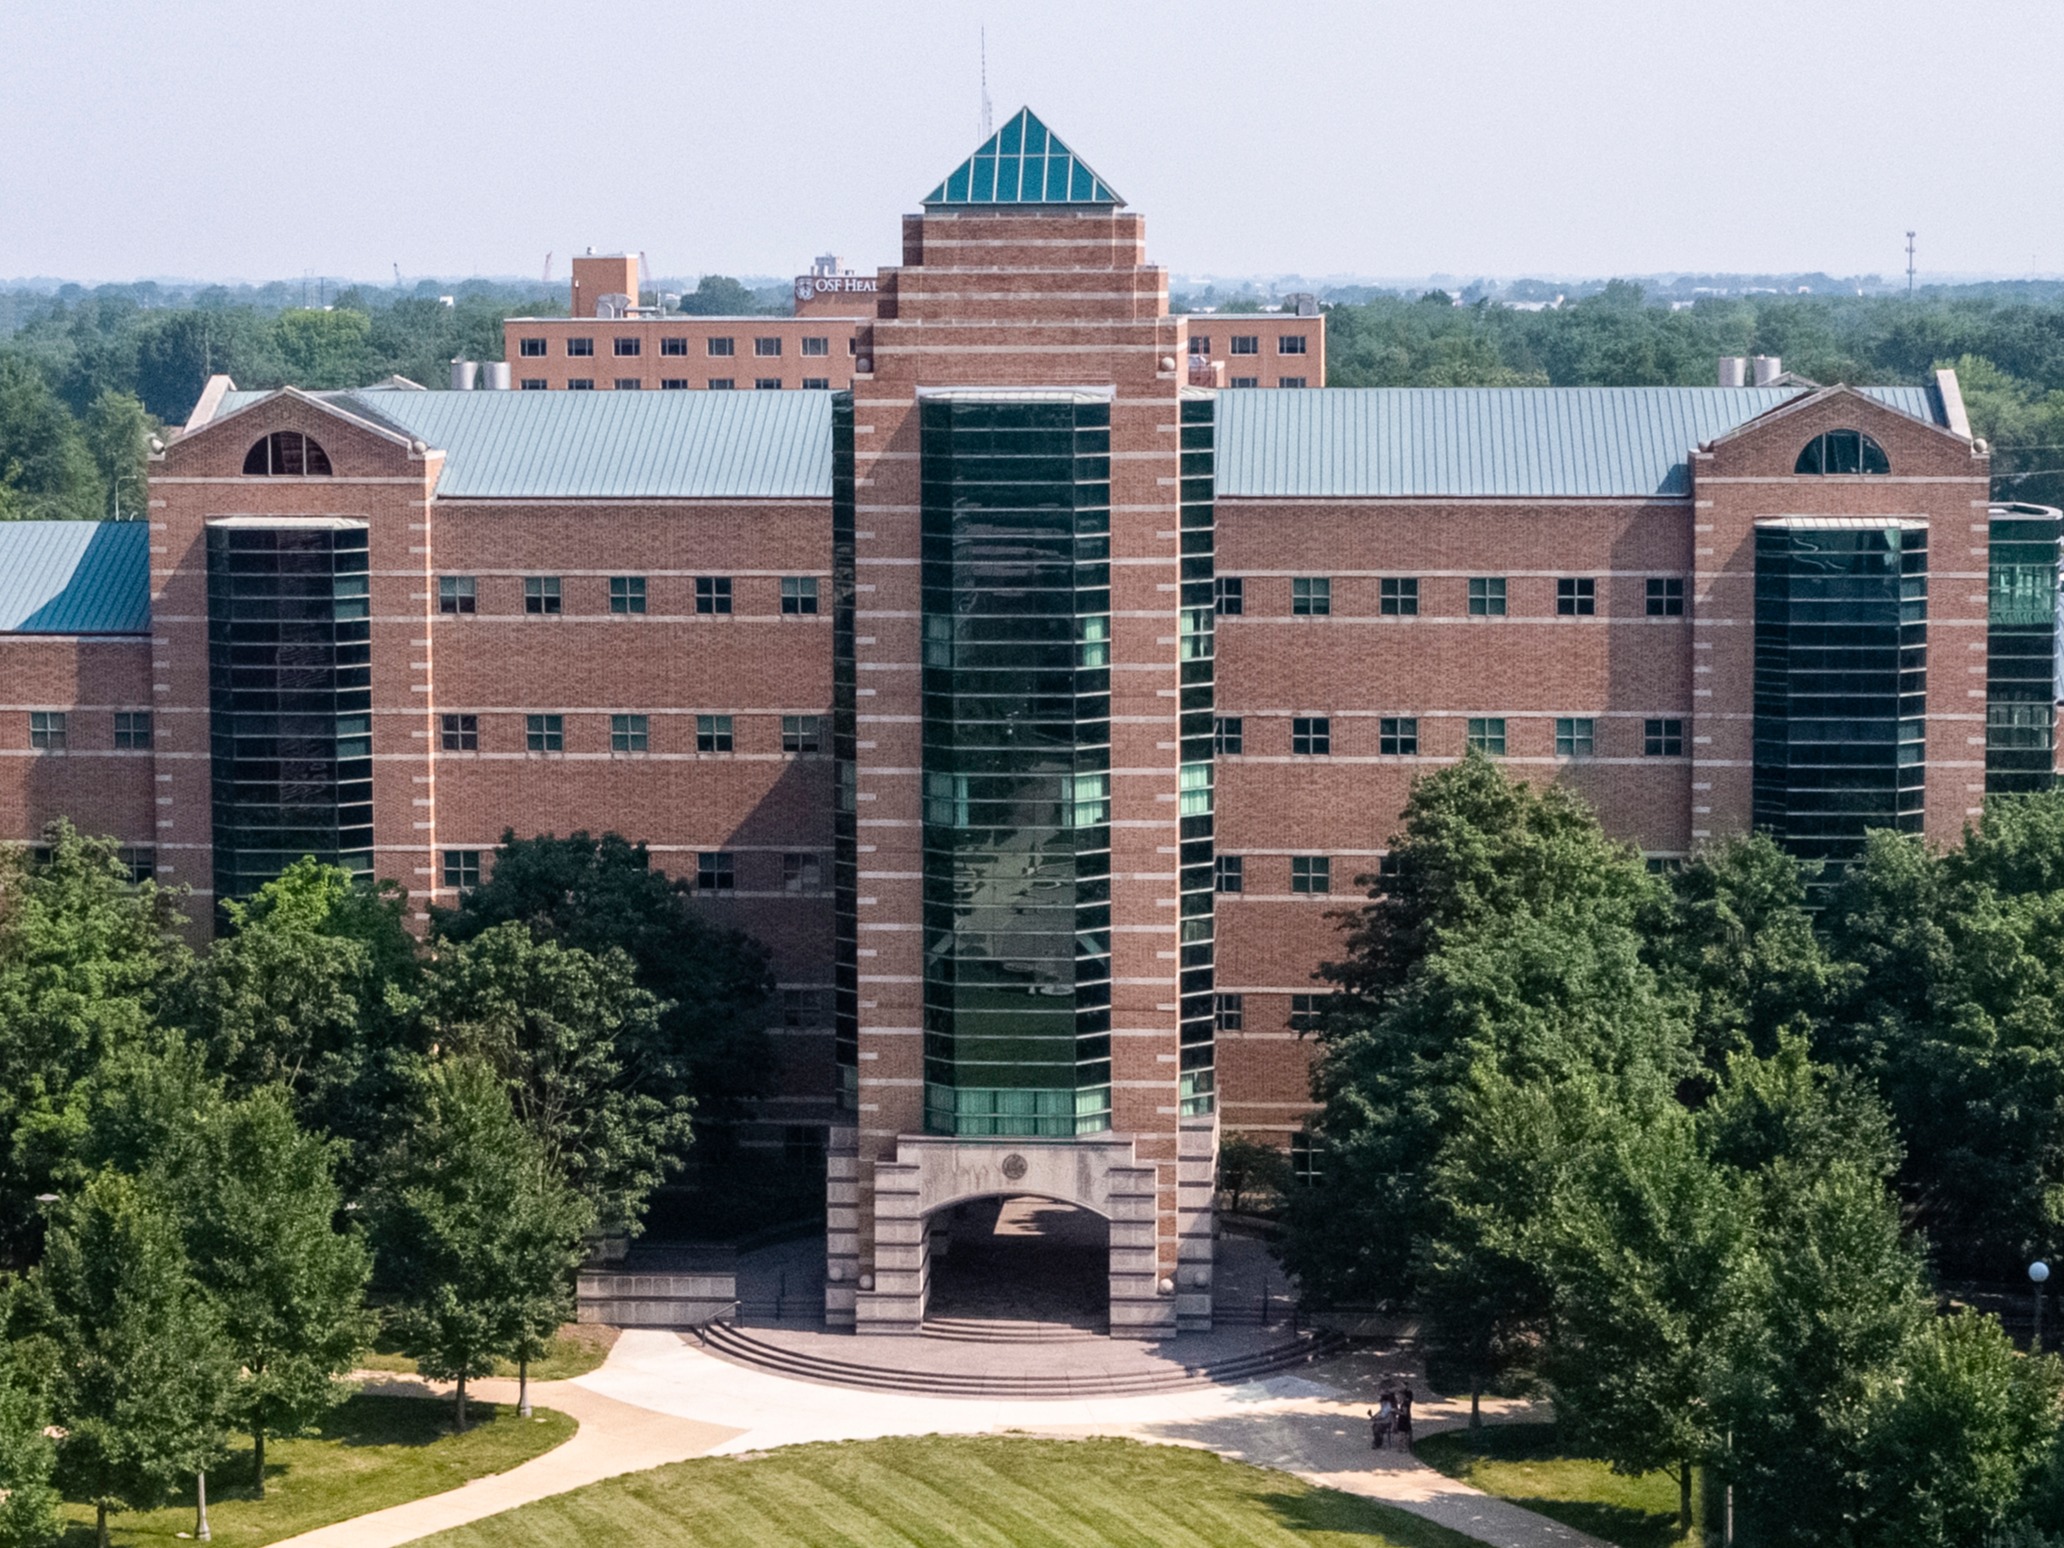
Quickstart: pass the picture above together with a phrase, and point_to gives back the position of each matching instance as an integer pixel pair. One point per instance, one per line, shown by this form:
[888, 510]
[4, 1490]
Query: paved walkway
[658, 1399]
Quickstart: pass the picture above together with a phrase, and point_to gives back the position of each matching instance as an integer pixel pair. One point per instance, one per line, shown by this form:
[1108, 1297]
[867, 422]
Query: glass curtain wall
[845, 857]
[2021, 644]
[289, 698]
[1840, 682]
[1199, 668]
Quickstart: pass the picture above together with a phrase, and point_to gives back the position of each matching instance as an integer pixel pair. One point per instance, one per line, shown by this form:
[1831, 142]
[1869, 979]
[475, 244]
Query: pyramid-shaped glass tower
[1024, 162]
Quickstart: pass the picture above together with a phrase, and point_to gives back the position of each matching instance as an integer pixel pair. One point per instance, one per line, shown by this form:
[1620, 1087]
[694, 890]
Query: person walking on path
[1404, 1418]
[1382, 1420]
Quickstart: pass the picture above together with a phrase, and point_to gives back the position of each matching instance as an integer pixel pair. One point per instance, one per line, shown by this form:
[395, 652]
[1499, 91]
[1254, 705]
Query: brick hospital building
[1032, 691]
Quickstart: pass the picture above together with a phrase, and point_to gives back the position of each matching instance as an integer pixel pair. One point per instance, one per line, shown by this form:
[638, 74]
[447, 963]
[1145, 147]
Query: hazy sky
[268, 138]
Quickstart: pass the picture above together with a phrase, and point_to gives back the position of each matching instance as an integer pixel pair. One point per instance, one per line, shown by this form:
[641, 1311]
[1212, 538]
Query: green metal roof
[609, 445]
[1024, 162]
[74, 577]
[1487, 441]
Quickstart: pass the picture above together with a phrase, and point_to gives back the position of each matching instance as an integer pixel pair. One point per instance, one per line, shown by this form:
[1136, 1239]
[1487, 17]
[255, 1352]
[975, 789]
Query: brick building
[1033, 700]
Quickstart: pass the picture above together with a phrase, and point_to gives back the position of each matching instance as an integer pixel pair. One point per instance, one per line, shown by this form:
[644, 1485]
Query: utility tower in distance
[1909, 265]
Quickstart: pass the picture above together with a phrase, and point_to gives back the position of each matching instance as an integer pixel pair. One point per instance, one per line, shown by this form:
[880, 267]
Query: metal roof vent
[1734, 370]
[1767, 369]
[615, 305]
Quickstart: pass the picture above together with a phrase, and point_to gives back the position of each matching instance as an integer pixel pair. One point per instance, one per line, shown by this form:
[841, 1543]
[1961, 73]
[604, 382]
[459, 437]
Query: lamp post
[2038, 1273]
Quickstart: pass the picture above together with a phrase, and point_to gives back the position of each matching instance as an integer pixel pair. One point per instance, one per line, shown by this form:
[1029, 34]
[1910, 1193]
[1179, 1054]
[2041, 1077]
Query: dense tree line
[1690, 1156]
[213, 1163]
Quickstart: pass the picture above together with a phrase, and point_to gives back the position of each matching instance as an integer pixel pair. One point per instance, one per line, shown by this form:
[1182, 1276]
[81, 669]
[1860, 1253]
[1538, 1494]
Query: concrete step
[998, 1330]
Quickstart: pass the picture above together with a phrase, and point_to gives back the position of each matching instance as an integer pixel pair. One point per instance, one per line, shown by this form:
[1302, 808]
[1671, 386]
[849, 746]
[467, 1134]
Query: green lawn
[945, 1492]
[576, 1349]
[372, 1452]
[1524, 1464]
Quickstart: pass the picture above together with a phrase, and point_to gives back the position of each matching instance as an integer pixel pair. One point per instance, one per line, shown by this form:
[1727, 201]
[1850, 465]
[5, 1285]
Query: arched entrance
[1019, 1264]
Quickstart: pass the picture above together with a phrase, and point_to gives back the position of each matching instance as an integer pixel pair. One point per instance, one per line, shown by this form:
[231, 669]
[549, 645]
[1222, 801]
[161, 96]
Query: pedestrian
[1382, 1420]
[1404, 1418]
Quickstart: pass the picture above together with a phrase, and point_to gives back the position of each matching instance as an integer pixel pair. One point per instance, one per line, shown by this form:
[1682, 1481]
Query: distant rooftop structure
[1024, 162]
[74, 577]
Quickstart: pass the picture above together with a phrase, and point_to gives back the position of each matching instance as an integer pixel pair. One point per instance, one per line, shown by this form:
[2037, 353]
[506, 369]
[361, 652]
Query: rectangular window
[713, 733]
[1228, 873]
[1400, 596]
[802, 873]
[673, 384]
[1662, 738]
[630, 734]
[721, 384]
[1244, 381]
[1575, 736]
[1576, 596]
[47, 730]
[1665, 597]
[457, 594]
[132, 730]
[1306, 1157]
[673, 346]
[816, 346]
[1311, 596]
[1311, 873]
[530, 349]
[534, 384]
[816, 384]
[1307, 1012]
[629, 384]
[766, 349]
[721, 348]
[459, 733]
[626, 593]
[141, 861]
[1487, 734]
[1397, 736]
[625, 348]
[712, 593]
[1200, 343]
[715, 873]
[540, 593]
[1487, 596]
[1290, 381]
[1290, 344]
[1228, 1012]
[1226, 736]
[580, 384]
[1229, 595]
[580, 349]
[1311, 735]
[798, 594]
[802, 733]
[766, 384]
[461, 869]
[805, 1007]
[544, 733]
[1246, 344]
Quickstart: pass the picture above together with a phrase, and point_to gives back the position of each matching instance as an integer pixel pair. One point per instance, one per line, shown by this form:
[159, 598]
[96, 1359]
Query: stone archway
[1018, 1266]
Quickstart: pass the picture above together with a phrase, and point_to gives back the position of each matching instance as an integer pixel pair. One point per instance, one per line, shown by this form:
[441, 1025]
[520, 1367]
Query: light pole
[2038, 1272]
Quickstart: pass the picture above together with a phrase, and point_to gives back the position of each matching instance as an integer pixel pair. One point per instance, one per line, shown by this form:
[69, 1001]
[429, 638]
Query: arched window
[1842, 451]
[288, 453]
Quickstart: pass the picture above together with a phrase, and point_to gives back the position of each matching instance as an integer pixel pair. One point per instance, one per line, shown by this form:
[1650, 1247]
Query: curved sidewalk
[658, 1400]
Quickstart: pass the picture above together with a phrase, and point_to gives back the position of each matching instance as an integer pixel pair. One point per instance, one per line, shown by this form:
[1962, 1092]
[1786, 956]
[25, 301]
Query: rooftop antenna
[1909, 265]
[988, 114]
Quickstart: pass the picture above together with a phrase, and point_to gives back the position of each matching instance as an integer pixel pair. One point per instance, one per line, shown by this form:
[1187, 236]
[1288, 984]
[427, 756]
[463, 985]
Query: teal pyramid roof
[1024, 162]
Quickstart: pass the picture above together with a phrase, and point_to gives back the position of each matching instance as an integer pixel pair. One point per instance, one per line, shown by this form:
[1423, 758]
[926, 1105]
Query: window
[1842, 451]
[132, 730]
[1289, 381]
[1665, 597]
[1290, 344]
[580, 384]
[673, 384]
[816, 384]
[630, 734]
[1662, 738]
[1305, 1160]
[540, 593]
[626, 348]
[1307, 1012]
[721, 348]
[715, 873]
[1244, 381]
[544, 733]
[1575, 736]
[766, 384]
[721, 384]
[816, 346]
[287, 454]
[673, 346]
[1311, 873]
[1397, 736]
[712, 593]
[461, 869]
[1226, 737]
[805, 1007]
[531, 349]
[1487, 735]
[766, 349]
[1228, 873]
[629, 384]
[798, 593]
[626, 593]
[457, 594]
[713, 733]
[141, 861]
[1311, 596]
[1487, 596]
[802, 733]
[47, 730]
[1400, 596]
[459, 733]
[580, 349]
[802, 873]
[1228, 1012]
[1229, 595]
[1576, 597]
[1311, 734]
[534, 384]
[1200, 343]
[1246, 344]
